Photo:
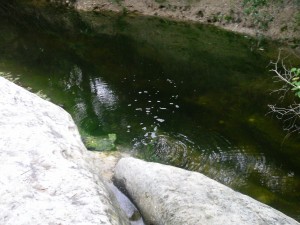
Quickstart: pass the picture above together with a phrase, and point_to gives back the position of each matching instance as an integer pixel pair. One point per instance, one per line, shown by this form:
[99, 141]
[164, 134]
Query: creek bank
[275, 20]
[170, 195]
[47, 175]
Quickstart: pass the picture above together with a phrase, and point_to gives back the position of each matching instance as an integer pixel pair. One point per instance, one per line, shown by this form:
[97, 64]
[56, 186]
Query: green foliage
[217, 17]
[296, 71]
[228, 18]
[297, 18]
[296, 76]
[260, 18]
[252, 6]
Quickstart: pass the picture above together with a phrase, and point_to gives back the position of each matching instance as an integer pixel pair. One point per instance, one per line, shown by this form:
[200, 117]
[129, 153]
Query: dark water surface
[182, 94]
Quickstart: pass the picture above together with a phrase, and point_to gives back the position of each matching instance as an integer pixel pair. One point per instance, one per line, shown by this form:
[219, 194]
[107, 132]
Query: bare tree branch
[290, 115]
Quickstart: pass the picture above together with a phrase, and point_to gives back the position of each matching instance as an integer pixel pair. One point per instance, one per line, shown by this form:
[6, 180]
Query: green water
[182, 94]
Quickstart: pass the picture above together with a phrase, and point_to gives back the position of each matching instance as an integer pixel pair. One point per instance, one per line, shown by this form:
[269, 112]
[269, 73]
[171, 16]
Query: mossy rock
[101, 143]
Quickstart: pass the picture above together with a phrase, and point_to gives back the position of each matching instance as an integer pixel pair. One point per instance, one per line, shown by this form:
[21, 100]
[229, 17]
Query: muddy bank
[273, 19]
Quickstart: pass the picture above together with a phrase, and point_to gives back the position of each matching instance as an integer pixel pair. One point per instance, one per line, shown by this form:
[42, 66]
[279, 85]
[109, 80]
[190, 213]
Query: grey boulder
[173, 196]
[46, 174]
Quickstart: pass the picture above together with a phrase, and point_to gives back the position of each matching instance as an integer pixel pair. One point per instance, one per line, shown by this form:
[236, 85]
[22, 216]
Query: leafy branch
[290, 83]
[296, 82]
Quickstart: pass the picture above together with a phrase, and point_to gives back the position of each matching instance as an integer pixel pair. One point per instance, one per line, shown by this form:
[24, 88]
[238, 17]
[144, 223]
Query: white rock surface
[172, 196]
[46, 174]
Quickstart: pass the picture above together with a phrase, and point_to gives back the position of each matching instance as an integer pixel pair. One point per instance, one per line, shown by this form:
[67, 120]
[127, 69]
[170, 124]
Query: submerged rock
[47, 175]
[169, 195]
[100, 143]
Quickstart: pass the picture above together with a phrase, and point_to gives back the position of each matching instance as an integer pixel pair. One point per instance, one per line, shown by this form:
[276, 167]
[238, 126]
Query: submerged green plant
[100, 143]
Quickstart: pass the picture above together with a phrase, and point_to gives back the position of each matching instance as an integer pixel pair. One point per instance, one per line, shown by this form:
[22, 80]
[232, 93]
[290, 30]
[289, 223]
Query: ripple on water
[217, 158]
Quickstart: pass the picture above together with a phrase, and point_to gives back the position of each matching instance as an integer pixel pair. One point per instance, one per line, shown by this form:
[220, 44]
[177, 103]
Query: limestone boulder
[173, 196]
[46, 174]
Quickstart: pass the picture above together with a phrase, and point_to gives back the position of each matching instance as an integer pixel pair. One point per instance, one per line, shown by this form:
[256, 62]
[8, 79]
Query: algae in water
[101, 143]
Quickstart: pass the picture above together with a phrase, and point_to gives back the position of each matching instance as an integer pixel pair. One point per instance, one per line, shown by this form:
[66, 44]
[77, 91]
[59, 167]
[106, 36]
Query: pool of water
[182, 94]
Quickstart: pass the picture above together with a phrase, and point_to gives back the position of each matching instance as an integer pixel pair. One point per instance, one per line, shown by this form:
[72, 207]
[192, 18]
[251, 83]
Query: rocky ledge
[47, 175]
[173, 196]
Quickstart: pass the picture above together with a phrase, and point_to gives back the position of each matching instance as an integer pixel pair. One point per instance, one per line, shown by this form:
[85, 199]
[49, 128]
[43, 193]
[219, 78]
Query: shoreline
[229, 16]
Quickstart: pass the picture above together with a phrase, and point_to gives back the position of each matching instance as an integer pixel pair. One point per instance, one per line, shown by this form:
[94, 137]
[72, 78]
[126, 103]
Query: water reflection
[81, 111]
[105, 96]
[75, 78]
